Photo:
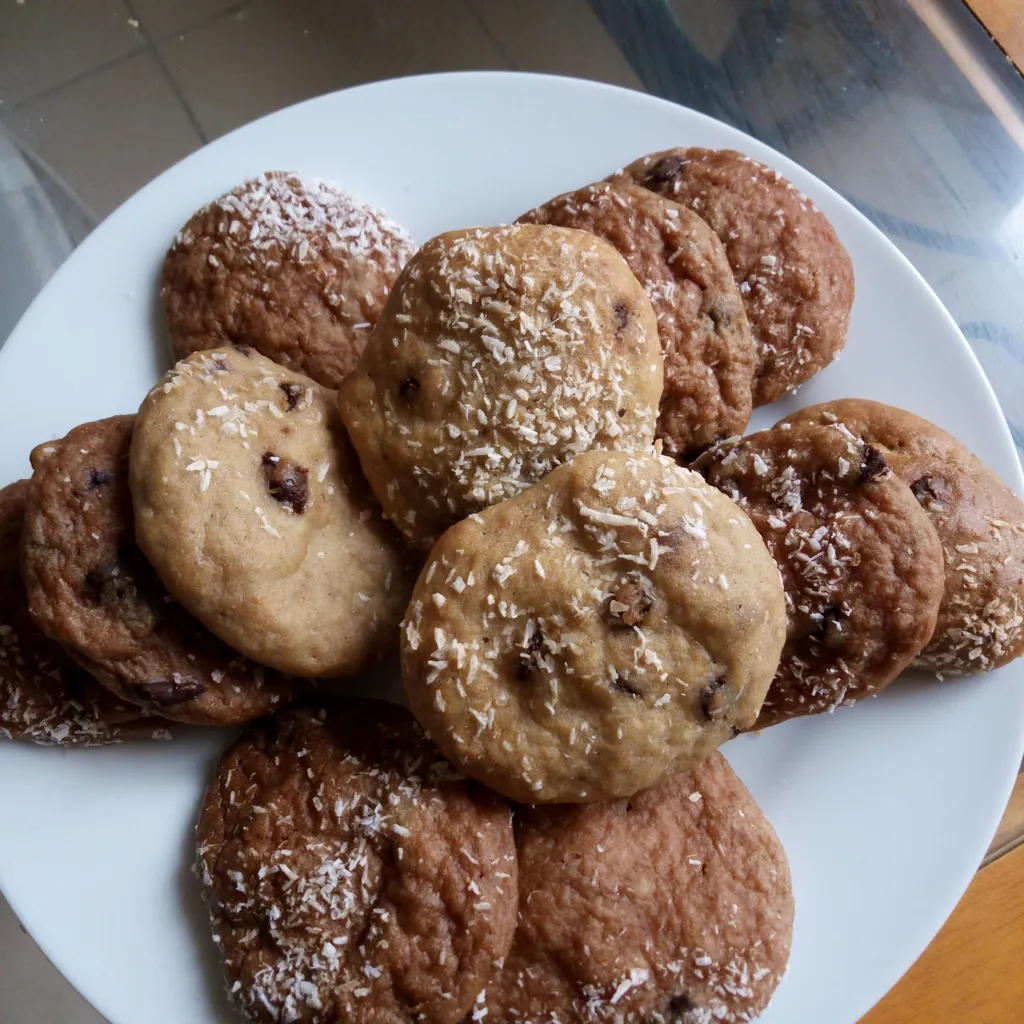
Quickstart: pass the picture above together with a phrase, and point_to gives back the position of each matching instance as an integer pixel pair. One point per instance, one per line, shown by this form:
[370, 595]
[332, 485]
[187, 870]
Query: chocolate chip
[631, 602]
[293, 392]
[692, 454]
[621, 316]
[872, 464]
[667, 169]
[408, 388]
[719, 317]
[220, 364]
[97, 478]
[931, 491]
[287, 482]
[107, 583]
[167, 693]
[714, 701]
[830, 627]
[530, 655]
[626, 685]
[681, 1009]
[245, 350]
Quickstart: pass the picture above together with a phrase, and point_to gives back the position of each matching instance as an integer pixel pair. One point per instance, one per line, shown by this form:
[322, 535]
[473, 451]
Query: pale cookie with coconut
[501, 354]
[709, 353]
[794, 274]
[352, 876]
[250, 505]
[90, 588]
[980, 523]
[299, 270]
[674, 906]
[861, 562]
[607, 628]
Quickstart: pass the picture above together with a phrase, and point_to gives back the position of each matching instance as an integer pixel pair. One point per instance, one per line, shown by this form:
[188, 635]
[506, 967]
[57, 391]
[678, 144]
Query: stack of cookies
[512, 456]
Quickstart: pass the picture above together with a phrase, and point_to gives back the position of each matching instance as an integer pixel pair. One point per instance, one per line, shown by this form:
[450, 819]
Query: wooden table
[973, 972]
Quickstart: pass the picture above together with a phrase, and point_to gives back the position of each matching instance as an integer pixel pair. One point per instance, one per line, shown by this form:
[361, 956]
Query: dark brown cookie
[299, 270]
[90, 588]
[709, 353]
[980, 523]
[861, 562]
[672, 907]
[793, 272]
[44, 696]
[352, 876]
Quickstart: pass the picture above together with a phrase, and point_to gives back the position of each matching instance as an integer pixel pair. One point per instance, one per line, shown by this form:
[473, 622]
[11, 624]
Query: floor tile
[45, 43]
[261, 58]
[161, 18]
[710, 29]
[108, 134]
[562, 37]
[268, 55]
[439, 36]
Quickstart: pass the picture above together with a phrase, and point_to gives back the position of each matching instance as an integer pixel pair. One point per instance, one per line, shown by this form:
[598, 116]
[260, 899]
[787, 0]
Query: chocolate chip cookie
[709, 353]
[501, 353]
[351, 875]
[249, 503]
[795, 277]
[607, 628]
[297, 269]
[861, 562]
[672, 907]
[90, 588]
[44, 696]
[980, 523]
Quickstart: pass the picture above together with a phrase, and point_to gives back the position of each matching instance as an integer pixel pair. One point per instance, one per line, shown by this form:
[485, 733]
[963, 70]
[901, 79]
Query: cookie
[249, 504]
[709, 353]
[861, 562]
[297, 269]
[501, 353]
[980, 523]
[44, 696]
[351, 875]
[90, 588]
[671, 907]
[795, 277]
[607, 628]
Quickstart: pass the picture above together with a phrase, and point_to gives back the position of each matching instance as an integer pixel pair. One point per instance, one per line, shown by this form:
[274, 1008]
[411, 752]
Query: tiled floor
[109, 93]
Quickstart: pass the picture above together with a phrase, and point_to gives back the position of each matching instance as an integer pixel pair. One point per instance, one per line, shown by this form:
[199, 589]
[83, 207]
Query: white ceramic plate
[885, 809]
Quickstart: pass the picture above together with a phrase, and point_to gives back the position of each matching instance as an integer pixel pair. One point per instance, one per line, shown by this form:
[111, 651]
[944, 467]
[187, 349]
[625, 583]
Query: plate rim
[761, 151]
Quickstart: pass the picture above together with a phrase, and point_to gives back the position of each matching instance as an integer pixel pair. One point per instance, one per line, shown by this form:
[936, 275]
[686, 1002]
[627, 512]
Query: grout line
[192, 26]
[10, 108]
[168, 77]
[471, 6]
